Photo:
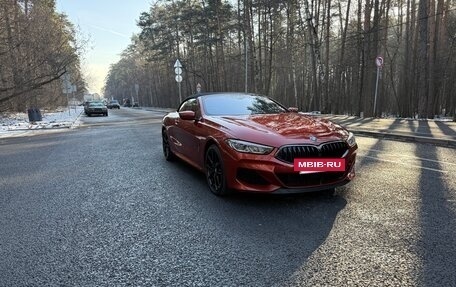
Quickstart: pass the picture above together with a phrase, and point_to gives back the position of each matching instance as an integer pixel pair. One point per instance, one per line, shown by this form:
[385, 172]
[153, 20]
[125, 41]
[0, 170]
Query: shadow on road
[445, 129]
[264, 239]
[357, 121]
[436, 247]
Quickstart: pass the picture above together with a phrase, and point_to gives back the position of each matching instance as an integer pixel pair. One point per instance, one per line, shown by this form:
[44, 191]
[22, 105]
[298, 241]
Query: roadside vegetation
[317, 55]
[37, 47]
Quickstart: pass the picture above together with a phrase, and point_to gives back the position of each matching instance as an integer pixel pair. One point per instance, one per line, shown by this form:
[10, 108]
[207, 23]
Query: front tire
[169, 155]
[215, 171]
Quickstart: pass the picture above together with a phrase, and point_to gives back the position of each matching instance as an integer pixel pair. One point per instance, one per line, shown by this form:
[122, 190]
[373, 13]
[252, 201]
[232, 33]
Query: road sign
[379, 62]
[178, 71]
[198, 88]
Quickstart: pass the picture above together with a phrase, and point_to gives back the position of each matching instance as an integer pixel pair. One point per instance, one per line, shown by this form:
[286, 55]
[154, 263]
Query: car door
[189, 133]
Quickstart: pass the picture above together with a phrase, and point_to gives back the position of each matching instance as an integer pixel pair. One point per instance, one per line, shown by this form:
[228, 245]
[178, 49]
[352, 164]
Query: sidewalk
[441, 133]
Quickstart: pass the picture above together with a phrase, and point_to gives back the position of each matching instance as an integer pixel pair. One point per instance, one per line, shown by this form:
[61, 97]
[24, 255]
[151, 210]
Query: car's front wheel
[215, 171]
[169, 155]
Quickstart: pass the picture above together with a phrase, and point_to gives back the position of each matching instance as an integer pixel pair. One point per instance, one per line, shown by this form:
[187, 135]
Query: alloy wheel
[215, 172]
[169, 156]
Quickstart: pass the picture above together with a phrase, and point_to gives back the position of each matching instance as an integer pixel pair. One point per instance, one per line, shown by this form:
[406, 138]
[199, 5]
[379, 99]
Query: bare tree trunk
[438, 71]
[431, 93]
[317, 67]
[251, 46]
[291, 13]
[339, 71]
[363, 27]
[327, 107]
[423, 52]
[271, 52]
[373, 53]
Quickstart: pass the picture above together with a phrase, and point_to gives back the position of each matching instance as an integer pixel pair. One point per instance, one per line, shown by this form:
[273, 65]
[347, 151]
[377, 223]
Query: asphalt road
[99, 206]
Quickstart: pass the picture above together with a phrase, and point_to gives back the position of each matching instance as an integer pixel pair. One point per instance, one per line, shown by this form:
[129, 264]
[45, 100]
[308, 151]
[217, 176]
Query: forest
[315, 55]
[38, 47]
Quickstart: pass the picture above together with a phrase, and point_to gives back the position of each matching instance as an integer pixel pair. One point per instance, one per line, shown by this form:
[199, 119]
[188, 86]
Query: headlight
[248, 147]
[351, 139]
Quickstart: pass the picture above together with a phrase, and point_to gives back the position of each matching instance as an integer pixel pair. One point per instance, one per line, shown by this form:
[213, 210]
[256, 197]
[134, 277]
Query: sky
[108, 25]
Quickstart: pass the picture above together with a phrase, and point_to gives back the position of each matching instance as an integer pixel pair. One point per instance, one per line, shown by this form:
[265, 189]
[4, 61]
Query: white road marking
[405, 164]
[415, 157]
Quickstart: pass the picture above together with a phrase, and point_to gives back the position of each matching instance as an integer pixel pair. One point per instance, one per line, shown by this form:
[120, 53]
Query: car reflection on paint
[248, 142]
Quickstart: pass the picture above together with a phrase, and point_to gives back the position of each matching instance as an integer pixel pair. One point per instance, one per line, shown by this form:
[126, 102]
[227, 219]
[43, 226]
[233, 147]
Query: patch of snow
[16, 122]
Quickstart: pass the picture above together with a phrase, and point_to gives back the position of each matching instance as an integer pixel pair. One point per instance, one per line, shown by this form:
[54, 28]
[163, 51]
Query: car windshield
[238, 104]
[114, 102]
[96, 105]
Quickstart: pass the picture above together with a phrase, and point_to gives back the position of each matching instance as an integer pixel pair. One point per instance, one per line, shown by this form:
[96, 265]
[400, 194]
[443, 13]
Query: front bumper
[266, 174]
[97, 111]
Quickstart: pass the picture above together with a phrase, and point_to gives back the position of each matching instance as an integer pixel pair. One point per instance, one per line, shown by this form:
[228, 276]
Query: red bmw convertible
[249, 142]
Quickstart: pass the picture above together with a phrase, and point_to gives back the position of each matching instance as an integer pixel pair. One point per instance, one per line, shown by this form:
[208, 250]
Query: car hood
[280, 129]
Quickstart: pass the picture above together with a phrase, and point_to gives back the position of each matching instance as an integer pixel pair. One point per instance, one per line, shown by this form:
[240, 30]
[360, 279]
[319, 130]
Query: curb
[409, 138]
[162, 110]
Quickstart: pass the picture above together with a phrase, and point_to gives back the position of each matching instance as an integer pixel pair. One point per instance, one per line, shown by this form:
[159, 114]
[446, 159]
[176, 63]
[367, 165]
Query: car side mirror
[293, 109]
[187, 115]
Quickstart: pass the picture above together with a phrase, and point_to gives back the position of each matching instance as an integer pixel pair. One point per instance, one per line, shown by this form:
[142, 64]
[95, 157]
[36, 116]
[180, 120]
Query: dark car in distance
[127, 103]
[114, 104]
[249, 142]
[96, 108]
[86, 104]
